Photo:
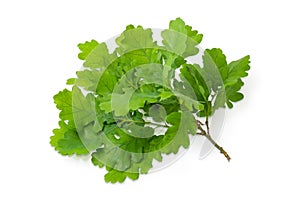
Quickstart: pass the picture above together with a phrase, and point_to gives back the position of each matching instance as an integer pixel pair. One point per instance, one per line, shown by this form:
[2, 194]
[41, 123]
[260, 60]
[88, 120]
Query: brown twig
[207, 135]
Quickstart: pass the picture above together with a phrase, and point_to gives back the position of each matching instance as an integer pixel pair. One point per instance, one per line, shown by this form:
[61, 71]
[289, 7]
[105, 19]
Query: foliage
[120, 98]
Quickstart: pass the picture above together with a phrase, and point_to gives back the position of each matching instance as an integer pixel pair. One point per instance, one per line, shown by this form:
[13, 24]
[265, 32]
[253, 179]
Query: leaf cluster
[121, 98]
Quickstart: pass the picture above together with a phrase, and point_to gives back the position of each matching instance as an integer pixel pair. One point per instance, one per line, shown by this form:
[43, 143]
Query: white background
[38, 53]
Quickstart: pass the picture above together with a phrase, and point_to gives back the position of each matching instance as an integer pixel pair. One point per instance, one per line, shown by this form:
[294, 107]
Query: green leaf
[237, 70]
[86, 48]
[170, 104]
[117, 141]
[181, 39]
[71, 144]
[221, 76]
[186, 96]
[145, 94]
[114, 176]
[63, 101]
[232, 94]
[192, 75]
[135, 39]
[214, 69]
[123, 152]
[177, 135]
[155, 74]
[66, 140]
[99, 57]
[88, 79]
[71, 81]
[165, 94]
[121, 104]
[107, 82]
[157, 112]
[175, 37]
[83, 108]
[138, 57]
[89, 119]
